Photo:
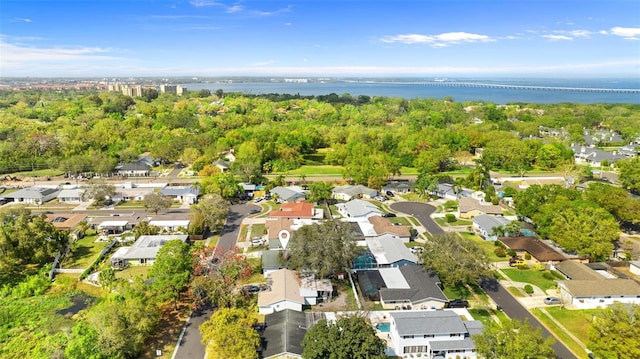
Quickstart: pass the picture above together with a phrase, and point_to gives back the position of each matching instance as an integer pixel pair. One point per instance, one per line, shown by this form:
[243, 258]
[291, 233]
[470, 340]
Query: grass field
[85, 252]
[561, 334]
[531, 276]
[577, 322]
[487, 246]
[133, 272]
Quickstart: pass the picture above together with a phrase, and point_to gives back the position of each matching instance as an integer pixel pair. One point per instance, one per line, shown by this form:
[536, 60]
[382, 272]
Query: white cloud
[18, 19]
[580, 33]
[441, 40]
[629, 33]
[234, 9]
[557, 37]
[203, 3]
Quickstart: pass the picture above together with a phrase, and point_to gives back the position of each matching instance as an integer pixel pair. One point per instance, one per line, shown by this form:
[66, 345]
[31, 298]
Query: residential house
[450, 191]
[470, 207]
[538, 250]
[602, 137]
[398, 187]
[434, 334]
[66, 222]
[72, 196]
[33, 195]
[283, 334]
[299, 210]
[405, 287]
[383, 226]
[171, 222]
[115, 224]
[272, 261]
[358, 209]
[586, 288]
[349, 192]
[390, 251]
[595, 157]
[144, 250]
[184, 194]
[288, 291]
[134, 169]
[130, 192]
[222, 164]
[486, 225]
[288, 194]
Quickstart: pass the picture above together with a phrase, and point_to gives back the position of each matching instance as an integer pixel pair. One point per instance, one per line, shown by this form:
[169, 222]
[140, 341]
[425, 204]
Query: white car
[257, 241]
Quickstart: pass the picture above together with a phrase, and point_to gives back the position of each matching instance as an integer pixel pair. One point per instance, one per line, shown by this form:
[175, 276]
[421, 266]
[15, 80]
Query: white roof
[393, 278]
[169, 223]
[388, 249]
[113, 224]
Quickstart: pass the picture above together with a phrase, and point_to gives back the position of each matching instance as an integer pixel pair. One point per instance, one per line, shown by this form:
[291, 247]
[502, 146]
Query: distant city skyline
[215, 38]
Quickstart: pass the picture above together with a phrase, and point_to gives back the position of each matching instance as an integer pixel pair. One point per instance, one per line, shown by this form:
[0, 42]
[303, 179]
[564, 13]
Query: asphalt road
[191, 344]
[231, 229]
[515, 310]
[422, 212]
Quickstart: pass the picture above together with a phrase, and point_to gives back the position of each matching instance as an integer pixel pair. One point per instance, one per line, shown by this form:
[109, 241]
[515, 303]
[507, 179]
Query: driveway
[422, 212]
[190, 344]
[515, 310]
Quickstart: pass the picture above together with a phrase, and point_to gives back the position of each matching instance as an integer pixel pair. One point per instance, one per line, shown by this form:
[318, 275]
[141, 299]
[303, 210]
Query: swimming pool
[384, 327]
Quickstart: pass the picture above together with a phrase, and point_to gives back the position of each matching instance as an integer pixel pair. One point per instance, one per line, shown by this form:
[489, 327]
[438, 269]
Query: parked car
[257, 241]
[390, 194]
[254, 211]
[251, 289]
[552, 300]
[516, 262]
[458, 303]
[257, 199]
[389, 215]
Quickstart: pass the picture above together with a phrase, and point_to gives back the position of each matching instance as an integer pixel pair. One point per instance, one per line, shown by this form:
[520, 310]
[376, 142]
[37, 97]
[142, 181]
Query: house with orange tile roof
[299, 210]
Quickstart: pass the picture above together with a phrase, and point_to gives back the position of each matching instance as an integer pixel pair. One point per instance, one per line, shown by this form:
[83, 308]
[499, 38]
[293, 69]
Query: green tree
[319, 191]
[350, 337]
[99, 192]
[211, 211]
[223, 184]
[324, 248]
[585, 229]
[230, 334]
[616, 200]
[172, 270]
[457, 260]
[615, 332]
[107, 278]
[513, 339]
[144, 229]
[27, 239]
[228, 270]
[630, 174]
[434, 160]
[155, 202]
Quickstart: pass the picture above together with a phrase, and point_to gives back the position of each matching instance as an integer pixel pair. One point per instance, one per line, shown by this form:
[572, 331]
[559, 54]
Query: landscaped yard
[133, 272]
[85, 252]
[531, 276]
[487, 246]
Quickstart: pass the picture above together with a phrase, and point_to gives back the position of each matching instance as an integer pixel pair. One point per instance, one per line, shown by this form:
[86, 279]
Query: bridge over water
[519, 87]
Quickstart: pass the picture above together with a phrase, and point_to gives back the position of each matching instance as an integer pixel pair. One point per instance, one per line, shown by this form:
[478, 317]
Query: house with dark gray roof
[33, 195]
[433, 334]
[134, 169]
[398, 187]
[449, 191]
[409, 286]
[595, 157]
[283, 334]
[289, 194]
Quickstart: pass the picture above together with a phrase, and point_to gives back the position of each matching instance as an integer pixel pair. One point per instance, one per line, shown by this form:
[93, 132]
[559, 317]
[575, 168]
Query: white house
[287, 291]
[390, 251]
[289, 194]
[484, 225]
[71, 195]
[349, 192]
[144, 251]
[33, 195]
[357, 209]
[184, 194]
[433, 334]
[169, 222]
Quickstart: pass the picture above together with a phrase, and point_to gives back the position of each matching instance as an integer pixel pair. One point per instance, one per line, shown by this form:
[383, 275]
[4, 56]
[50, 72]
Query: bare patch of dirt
[168, 331]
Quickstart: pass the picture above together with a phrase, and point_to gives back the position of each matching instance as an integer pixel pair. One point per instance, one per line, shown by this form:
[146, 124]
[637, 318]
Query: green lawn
[482, 315]
[403, 221]
[311, 170]
[531, 276]
[257, 230]
[559, 333]
[243, 233]
[487, 246]
[457, 292]
[85, 252]
[577, 322]
[133, 272]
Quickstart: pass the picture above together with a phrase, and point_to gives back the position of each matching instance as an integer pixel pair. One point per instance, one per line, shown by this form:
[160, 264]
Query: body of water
[587, 91]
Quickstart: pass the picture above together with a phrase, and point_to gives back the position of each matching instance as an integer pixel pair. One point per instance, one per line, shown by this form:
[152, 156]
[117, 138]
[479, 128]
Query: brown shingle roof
[533, 246]
[383, 225]
[589, 288]
[65, 221]
[578, 271]
[468, 204]
[275, 225]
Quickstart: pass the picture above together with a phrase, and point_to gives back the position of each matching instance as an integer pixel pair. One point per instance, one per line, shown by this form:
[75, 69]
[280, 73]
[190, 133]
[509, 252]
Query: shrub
[450, 218]
[500, 252]
[527, 256]
[528, 289]
[499, 244]
[511, 253]
[548, 275]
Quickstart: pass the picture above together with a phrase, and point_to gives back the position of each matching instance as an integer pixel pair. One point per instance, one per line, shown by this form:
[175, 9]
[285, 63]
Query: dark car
[252, 289]
[390, 194]
[458, 303]
[389, 215]
[254, 211]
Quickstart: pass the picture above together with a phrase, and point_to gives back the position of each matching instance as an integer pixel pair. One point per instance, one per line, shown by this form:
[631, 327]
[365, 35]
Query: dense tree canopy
[513, 339]
[172, 269]
[350, 337]
[456, 260]
[324, 248]
[630, 174]
[615, 332]
[230, 334]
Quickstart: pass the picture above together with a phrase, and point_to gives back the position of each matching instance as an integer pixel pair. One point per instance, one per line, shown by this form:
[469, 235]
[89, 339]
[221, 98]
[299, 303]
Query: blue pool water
[384, 327]
[527, 232]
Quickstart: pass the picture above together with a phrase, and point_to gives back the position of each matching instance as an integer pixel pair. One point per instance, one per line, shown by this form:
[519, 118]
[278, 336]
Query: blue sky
[530, 38]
